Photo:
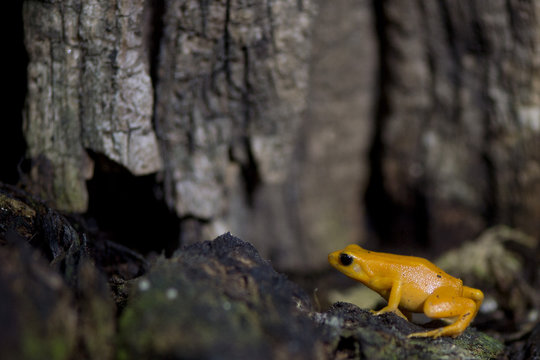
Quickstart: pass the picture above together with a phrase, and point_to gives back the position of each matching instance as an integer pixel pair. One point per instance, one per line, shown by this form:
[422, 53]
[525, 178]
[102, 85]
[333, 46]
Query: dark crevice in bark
[12, 142]
[203, 5]
[456, 74]
[421, 218]
[156, 27]
[190, 134]
[248, 164]
[235, 89]
[163, 237]
[227, 43]
[250, 170]
[250, 174]
[390, 221]
[129, 209]
[270, 19]
[379, 206]
[246, 90]
[490, 196]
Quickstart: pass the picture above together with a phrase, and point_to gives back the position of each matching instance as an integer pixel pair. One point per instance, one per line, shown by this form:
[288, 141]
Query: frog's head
[349, 262]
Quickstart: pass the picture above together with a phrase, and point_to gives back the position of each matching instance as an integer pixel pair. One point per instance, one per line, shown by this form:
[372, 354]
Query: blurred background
[299, 126]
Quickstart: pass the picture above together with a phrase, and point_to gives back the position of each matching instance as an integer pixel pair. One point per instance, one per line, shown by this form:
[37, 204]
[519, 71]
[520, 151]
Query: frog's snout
[332, 258]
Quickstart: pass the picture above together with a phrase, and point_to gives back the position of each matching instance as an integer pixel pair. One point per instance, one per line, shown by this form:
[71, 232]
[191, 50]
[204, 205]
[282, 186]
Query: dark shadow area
[130, 210]
[381, 210]
[154, 32]
[251, 176]
[12, 143]
[394, 225]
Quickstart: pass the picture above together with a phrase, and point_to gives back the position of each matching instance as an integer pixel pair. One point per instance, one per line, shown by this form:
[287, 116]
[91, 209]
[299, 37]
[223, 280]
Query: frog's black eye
[345, 259]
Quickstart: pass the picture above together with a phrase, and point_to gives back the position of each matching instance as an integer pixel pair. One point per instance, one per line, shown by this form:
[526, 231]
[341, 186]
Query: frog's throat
[356, 272]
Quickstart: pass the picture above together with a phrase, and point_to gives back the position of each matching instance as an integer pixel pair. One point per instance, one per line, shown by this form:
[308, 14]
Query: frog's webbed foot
[433, 333]
[387, 309]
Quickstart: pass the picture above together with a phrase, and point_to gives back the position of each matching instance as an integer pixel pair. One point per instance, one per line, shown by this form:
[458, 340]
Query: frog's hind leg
[474, 294]
[446, 304]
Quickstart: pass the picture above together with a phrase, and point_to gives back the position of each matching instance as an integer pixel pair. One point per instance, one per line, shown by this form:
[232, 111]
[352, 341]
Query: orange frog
[411, 284]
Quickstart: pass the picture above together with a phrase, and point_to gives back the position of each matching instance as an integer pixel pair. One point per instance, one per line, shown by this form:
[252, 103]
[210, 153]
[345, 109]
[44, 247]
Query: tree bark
[299, 125]
[231, 89]
[322, 196]
[88, 89]
[461, 114]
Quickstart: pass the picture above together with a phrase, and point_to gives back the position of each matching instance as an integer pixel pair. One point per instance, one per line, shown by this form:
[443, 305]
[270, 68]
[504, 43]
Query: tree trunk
[319, 207]
[299, 125]
[88, 90]
[460, 114]
[231, 90]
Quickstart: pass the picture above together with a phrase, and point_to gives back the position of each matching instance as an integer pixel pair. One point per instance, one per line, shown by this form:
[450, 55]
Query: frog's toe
[433, 333]
[379, 312]
[436, 333]
[385, 310]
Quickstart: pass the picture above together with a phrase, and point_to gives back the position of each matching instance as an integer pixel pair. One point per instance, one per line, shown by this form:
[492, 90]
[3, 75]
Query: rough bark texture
[271, 117]
[327, 176]
[88, 88]
[460, 112]
[232, 84]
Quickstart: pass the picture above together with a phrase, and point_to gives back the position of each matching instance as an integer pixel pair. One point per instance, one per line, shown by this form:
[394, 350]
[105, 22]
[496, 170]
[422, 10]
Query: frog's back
[399, 259]
[413, 269]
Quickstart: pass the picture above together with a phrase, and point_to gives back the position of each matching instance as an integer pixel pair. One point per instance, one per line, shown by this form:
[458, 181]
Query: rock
[355, 333]
[96, 327]
[55, 301]
[532, 348]
[37, 316]
[26, 220]
[62, 240]
[217, 299]
[42, 317]
[503, 262]
[526, 347]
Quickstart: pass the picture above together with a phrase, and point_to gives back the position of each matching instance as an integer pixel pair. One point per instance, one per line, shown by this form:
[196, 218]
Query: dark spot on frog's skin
[345, 259]
[439, 276]
[437, 296]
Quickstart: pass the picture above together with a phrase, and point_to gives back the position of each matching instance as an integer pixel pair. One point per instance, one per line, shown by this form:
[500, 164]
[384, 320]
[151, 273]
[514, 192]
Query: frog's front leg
[444, 303]
[394, 298]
